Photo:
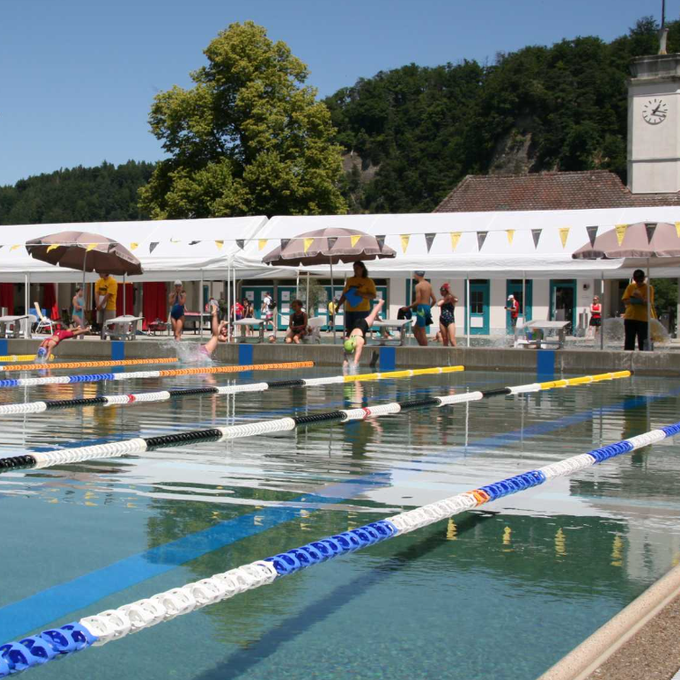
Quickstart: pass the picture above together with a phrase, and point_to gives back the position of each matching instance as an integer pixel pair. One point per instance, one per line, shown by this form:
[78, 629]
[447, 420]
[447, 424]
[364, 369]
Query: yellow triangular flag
[511, 235]
[219, 244]
[54, 246]
[134, 245]
[455, 237]
[564, 235]
[354, 239]
[405, 238]
[621, 232]
[261, 243]
[15, 247]
[90, 246]
[308, 244]
[677, 229]
[175, 240]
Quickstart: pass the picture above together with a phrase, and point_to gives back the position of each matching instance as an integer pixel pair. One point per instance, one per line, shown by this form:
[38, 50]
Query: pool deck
[542, 362]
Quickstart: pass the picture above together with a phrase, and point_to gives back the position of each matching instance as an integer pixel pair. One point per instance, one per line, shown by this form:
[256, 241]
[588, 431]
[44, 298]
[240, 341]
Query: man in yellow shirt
[357, 296]
[105, 294]
[635, 318]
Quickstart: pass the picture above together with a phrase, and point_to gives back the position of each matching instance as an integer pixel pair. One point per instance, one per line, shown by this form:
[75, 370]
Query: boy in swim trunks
[354, 345]
[48, 344]
[422, 307]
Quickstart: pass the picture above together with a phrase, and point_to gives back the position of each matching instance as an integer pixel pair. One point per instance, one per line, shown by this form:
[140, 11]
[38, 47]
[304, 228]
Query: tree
[248, 138]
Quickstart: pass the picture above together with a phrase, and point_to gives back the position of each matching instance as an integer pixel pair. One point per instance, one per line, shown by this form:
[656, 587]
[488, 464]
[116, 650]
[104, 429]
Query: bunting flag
[354, 239]
[134, 245]
[511, 235]
[381, 241]
[219, 244]
[54, 246]
[193, 243]
[650, 227]
[90, 246]
[621, 230]
[677, 229]
[481, 237]
[152, 246]
[564, 235]
[284, 243]
[175, 240]
[331, 240]
[592, 235]
[536, 235]
[18, 245]
[455, 237]
[261, 243]
[405, 238]
[429, 240]
[307, 244]
[241, 243]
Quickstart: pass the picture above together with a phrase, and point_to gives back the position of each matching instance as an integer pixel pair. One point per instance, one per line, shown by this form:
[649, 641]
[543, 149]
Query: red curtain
[50, 301]
[7, 296]
[129, 301]
[155, 303]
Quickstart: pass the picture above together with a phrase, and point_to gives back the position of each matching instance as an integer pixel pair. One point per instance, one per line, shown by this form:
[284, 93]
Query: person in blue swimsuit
[447, 316]
[177, 300]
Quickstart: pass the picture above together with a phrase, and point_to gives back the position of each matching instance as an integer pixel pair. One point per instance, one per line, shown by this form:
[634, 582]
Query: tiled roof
[548, 191]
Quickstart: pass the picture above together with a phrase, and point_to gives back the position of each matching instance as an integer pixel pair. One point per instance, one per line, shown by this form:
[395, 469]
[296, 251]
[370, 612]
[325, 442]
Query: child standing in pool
[177, 300]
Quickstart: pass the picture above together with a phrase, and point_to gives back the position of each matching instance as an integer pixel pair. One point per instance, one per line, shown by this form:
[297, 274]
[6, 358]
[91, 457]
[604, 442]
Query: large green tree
[248, 138]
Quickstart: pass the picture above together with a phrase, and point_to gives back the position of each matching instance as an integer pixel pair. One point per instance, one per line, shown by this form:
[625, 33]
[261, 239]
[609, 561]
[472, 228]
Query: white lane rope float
[114, 624]
[139, 445]
[164, 395]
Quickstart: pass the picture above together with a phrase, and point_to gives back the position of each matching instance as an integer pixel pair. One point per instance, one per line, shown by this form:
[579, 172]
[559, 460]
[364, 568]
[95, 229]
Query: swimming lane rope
[43, 459]
[164, 395]
[19, 357]
[114, 624]
[88, 364]
[100, 377]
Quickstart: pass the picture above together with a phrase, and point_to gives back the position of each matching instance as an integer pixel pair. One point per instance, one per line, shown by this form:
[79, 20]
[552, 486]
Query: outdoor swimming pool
[501, 592]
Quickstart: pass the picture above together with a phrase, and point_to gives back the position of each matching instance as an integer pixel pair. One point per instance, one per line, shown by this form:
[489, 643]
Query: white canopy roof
[508, 247]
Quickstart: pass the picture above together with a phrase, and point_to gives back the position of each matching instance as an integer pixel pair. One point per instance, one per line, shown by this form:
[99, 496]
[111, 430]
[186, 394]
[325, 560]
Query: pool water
[500, 592]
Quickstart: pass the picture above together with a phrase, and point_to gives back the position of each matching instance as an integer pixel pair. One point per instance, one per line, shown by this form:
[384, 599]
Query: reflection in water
[540, 569]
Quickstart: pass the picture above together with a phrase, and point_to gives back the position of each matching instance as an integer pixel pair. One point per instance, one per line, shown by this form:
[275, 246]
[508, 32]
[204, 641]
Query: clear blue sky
[77, 77]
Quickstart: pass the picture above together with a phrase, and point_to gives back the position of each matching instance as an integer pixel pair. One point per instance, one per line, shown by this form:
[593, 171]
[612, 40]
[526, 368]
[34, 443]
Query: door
[479, 307]
[514, 287]
[563, 302]
[285, 295]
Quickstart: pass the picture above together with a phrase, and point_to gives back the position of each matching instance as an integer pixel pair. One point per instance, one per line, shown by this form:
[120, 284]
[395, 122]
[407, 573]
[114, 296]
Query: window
[477, 302]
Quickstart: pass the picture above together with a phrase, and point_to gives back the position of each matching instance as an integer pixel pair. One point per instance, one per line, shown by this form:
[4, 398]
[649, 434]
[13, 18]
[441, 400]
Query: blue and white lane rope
[164, 395]
[138, 445]
[114, 624]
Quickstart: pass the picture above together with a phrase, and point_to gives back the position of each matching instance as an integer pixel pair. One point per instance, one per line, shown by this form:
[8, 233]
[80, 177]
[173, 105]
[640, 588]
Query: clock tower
[654, 125]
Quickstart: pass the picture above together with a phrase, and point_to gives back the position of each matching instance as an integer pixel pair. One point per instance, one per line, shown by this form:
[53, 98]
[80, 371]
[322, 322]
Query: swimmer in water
[177, 300]
[354, 345]
[219, 333]
[48, 344]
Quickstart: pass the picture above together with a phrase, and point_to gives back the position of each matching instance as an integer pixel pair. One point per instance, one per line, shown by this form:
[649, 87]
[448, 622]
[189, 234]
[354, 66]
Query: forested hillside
[102, 194]
[413, 133]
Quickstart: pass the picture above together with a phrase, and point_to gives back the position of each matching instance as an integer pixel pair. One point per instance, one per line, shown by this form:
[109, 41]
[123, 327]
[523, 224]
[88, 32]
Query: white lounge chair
[43, 321]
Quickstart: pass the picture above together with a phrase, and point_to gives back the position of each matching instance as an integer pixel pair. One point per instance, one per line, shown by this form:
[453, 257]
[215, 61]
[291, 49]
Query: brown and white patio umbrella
[639, 245]
[85, 252]
[328, 246]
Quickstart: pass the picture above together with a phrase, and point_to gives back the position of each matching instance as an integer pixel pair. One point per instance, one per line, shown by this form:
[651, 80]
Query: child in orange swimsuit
[48, 344]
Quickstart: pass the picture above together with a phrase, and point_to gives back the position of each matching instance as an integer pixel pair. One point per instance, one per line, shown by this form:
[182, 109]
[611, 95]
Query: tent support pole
[649, 310]
[602, 315]
[467, 309]
[200, 306]
[27, 298]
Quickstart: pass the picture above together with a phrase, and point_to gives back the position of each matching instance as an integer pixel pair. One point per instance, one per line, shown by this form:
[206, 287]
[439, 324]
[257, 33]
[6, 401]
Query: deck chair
[43, 321]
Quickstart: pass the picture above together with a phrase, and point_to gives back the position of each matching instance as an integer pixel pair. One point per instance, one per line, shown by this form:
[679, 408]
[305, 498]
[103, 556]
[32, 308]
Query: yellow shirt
[362, 286]
[110, 286]
[638, 312]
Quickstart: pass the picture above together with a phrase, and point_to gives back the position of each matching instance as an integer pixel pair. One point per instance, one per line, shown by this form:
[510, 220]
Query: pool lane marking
[56, 602]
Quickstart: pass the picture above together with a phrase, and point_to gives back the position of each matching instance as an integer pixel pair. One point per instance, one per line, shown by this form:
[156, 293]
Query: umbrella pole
[602, 313]
[124, 293]
[335, 316]
[307, 301]
[467, 308]
[200, 305]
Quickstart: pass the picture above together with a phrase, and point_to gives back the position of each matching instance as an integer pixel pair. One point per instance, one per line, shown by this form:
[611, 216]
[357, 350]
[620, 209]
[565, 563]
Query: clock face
[655, 111]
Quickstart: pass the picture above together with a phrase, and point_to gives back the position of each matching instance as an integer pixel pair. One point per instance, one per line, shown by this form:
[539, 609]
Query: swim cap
[42, 351]
[350, 344]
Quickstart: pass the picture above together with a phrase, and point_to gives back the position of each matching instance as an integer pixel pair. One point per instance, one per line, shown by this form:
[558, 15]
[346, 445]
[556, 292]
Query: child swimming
[48, 344]
[354, 345]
